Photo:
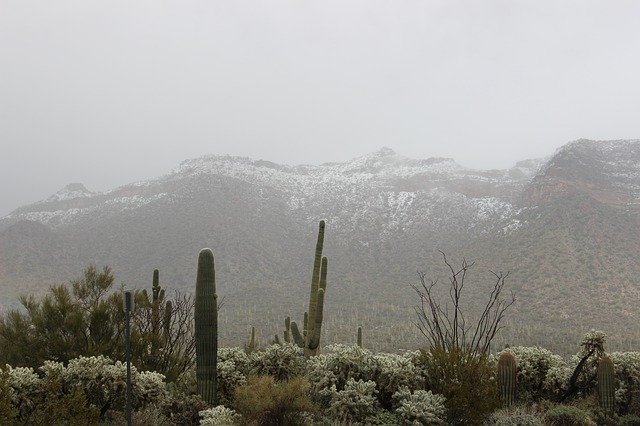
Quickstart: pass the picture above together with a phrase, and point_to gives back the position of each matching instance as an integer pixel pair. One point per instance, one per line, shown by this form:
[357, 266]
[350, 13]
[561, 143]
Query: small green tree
[86, 318]
[65, 323]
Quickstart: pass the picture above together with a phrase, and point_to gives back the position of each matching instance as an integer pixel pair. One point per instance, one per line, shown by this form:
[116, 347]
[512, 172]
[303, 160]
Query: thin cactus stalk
[298, 339]
[287, 330]
[305, 324]
[206, 327]
[168, 312]
[606, 385]
[251, 346]
[359, 336]
[155, 304]
[276, 340]
[507, 370]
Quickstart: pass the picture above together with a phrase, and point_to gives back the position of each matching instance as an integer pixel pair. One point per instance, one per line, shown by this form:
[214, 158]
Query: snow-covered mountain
[548, 221]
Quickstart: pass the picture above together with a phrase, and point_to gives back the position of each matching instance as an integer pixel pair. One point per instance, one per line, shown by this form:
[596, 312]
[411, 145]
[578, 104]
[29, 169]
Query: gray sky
[111, 92]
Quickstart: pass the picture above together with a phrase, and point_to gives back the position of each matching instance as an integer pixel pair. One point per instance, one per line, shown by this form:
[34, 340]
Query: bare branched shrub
[445, 325]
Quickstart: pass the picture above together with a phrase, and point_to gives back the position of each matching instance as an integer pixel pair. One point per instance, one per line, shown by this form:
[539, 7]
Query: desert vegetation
[62, 359]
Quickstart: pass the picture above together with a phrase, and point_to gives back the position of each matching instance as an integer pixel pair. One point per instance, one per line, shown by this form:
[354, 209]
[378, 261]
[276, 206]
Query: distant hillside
[567, 229]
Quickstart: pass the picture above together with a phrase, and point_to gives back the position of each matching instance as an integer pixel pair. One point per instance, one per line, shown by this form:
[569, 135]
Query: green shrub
[263, 401]
[383, 418]
[567, 415]
[466, 381]
[629, 420]
[184, 411]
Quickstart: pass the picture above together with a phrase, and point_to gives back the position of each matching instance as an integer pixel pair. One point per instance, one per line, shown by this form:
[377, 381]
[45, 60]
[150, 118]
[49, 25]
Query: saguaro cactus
[606, 385]
[251, 345]
[287, 330]
[507, 370]
[206, 327]
[359, 336]
[309, 340]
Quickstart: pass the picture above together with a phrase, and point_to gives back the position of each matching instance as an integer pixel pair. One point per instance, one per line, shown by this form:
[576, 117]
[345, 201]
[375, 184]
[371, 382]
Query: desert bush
[265, 401]
[567, 415]
[355, 402]
[383, 418]
[629, 420]
[219, 416]
[420, 407]
[466, 381]
[515, 416]
[184, 411]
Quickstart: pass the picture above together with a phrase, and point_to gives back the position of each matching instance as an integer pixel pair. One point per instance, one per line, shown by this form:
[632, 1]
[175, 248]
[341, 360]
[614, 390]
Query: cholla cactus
[627, 373]
[337, 365]
[219, 416]
[394, 371]
[355, 402]
[540, 372]
[280, 361]
[420, 407]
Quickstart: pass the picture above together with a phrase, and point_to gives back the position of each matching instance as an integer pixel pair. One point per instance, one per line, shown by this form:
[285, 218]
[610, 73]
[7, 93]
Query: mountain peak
[385, 151]
[70, 191]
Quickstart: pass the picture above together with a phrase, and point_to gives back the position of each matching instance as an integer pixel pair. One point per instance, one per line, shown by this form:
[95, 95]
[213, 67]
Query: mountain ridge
[387, 215]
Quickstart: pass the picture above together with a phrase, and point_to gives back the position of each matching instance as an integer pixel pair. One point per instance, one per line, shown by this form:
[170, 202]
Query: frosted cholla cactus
[104, 382]
[395, 371]
[556, 380]
[280, 361]
[23, 382]
[219, 416]
[420, 407]
[229, 378]
[237, 357]
[337, 365]
[593, 340]
[534, 363]
[355, 402]
[233, 368]
[627, 370]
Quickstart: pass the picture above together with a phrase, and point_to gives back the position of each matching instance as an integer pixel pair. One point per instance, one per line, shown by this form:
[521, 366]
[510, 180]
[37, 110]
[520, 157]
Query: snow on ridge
[59, 217]
[70, 192]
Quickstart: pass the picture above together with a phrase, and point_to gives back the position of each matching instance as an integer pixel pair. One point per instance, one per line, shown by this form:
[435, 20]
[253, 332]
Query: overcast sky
[110, 92]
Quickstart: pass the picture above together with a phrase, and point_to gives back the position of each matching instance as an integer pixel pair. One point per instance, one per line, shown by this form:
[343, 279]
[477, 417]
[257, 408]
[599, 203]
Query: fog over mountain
[566, 227]
[108, 93]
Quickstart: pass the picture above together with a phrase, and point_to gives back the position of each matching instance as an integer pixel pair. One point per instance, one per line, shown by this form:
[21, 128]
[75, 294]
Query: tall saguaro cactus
[507, 370]
[606, 385]
[309, 340]
[206, 327]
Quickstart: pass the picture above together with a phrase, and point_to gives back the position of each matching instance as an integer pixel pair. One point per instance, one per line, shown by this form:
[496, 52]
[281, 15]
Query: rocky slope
[566, 227]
